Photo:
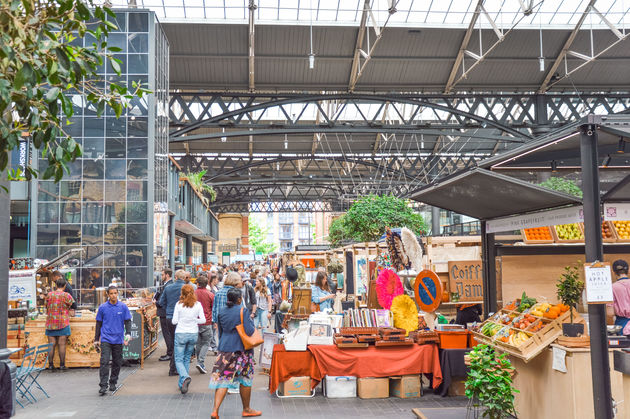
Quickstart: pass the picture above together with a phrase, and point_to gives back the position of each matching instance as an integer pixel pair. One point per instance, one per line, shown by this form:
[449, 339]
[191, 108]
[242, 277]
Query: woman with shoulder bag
[234, 366]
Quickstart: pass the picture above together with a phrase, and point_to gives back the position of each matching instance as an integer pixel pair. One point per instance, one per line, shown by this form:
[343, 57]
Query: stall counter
[549, 394]
[80, 350]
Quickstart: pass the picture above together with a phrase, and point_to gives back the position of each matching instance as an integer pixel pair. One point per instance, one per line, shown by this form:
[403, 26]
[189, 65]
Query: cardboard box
[296, 386]
[373, 388]
[405, 387]
[340, 387]
[458, 387]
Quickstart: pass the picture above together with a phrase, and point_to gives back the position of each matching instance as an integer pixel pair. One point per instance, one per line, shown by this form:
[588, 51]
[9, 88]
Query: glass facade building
[113, 203]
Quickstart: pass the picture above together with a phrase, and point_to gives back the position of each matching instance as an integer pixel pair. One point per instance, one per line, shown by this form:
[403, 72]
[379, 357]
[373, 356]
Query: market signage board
[465, 278]
[22, 286]
[617, 212]
[598, 283]
[537, 219]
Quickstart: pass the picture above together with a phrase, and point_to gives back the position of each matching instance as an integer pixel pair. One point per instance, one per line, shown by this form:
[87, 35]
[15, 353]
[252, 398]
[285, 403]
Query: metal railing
[470, 228]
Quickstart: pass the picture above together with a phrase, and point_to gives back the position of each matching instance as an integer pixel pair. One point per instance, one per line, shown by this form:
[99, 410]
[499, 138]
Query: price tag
[598, 283]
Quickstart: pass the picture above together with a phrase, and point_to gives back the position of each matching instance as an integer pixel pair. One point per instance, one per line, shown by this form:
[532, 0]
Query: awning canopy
[619, 193]
[561, 148]
[485, 195]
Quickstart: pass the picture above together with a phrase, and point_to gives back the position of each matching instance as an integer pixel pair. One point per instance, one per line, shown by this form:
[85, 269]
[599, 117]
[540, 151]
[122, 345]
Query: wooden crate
[616, 230]
[557, 238]
[610, 225]
[539, 340]
[526, 233]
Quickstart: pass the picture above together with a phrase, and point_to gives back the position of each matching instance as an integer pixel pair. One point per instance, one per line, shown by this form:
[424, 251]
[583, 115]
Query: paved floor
[150, 393]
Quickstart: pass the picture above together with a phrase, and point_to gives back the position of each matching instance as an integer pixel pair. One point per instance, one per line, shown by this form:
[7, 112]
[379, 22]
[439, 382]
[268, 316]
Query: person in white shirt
[188, 315]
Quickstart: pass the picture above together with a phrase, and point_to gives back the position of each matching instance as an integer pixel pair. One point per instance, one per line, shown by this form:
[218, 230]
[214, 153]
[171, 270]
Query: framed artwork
[320, 330]
[361, 274]
[266, 352]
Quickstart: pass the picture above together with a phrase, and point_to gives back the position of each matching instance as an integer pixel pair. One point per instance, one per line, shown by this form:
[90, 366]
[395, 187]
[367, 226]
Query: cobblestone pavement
[150, 393]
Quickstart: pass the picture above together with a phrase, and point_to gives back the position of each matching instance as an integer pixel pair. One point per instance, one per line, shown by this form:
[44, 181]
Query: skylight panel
[327, 15]
[435, 17]
[288, 14]
[175, 12]
[267, 13]
[417, 17]
[214, 3]
[153, 3]
[346, 16]
[194, 3]
[235, 13]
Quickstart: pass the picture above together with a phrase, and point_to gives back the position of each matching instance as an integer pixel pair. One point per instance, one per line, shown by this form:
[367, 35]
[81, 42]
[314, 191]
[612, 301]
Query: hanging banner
[538, 219]
[616, 212]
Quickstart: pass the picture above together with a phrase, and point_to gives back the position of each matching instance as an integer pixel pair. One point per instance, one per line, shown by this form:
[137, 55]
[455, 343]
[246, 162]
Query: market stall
[503, 203]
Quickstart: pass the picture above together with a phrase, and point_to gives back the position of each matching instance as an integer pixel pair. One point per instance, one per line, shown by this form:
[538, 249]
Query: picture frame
[270, 339]
[320, 330]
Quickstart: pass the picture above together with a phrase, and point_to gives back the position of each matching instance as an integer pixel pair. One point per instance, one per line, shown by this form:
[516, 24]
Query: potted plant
[206, 192]
[569, 292]
[489, 384]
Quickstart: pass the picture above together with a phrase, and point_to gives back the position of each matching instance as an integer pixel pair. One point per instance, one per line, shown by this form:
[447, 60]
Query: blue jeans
[260, 319]
[183, 350]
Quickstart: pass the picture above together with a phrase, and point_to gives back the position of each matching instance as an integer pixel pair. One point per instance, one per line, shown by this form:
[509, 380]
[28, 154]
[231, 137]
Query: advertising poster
[22, 286]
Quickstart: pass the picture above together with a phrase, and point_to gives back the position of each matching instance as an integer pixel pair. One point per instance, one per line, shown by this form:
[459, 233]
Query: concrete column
[435, 221]
[204, 252]
[245, 234]
[171, 241]
[189, 249]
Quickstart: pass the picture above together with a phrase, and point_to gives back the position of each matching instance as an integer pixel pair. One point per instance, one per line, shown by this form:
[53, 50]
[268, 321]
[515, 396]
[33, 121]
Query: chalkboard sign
[133, 351]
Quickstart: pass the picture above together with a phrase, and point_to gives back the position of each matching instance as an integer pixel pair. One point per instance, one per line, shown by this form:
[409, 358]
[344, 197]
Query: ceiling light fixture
[541, 58]
[311, 56]
[286, 142]
[621, 148]
[223, 139]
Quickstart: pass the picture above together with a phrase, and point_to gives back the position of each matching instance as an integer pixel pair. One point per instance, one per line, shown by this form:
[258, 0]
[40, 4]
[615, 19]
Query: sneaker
[165, 358]
[63, 368]
[233, 390]
[172, 374]
[113, 387]
[185, 385]
[202, 369]
[102, 391]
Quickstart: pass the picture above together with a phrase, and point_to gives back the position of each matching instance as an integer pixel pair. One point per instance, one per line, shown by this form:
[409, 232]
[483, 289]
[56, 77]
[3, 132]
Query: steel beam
[252, 44]
[462, 49]
[565, 48]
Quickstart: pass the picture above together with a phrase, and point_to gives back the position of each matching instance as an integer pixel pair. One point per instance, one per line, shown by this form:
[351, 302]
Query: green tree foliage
[258, 238]
[42, 65]
[559, 184]
[368, 217]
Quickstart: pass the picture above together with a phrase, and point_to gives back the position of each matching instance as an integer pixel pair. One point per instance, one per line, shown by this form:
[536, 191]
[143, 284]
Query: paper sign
[22, 286]
[598, 283]
[616, 211]
[559, 358]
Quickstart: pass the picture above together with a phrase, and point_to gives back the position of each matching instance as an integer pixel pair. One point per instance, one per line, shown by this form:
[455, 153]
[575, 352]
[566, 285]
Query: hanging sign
[616, 212]
[428, 290]
[598, 281]
[465, 278]
[538, 219]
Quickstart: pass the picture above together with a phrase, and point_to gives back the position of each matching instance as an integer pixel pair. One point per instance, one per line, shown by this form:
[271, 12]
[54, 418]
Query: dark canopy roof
[619, 193]
[563, 146]
[485, 195]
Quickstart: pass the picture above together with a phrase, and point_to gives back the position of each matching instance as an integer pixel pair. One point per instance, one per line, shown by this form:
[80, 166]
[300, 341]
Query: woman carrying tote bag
[234, 366]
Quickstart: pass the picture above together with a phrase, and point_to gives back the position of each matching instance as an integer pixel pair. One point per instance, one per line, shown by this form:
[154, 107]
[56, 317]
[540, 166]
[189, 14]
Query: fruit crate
[609, 235]
[538, 340]
[560, 233]
[539, 235]
[622, 230]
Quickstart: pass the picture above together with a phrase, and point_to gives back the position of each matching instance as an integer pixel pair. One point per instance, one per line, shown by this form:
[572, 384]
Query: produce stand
[503, 203]
[546, 393]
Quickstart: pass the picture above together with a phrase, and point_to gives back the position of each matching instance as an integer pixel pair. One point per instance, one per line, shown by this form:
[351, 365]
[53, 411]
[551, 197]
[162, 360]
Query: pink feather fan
[388, 286]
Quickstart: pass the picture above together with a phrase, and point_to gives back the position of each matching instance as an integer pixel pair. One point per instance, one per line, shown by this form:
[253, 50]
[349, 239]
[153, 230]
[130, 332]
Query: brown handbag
[249, 342]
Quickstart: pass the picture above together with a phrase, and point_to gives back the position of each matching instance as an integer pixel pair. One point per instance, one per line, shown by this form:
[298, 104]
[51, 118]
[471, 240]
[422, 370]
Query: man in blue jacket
[168, 299]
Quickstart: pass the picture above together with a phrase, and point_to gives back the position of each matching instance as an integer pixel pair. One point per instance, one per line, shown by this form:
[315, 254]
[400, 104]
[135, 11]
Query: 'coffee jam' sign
[465, 278]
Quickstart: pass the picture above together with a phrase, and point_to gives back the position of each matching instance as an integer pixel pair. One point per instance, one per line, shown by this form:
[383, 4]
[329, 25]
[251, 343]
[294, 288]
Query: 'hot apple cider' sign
[465, 278]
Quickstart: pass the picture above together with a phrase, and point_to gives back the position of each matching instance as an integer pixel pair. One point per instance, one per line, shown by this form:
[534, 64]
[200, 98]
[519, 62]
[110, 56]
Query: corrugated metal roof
[211, 56]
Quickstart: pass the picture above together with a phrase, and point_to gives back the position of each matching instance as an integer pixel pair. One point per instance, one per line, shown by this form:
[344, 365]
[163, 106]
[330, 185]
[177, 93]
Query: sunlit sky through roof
[410, 13]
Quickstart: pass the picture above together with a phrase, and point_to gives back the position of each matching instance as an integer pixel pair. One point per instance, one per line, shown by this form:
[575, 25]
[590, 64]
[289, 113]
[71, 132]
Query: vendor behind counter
[620, 307]
[468, 313]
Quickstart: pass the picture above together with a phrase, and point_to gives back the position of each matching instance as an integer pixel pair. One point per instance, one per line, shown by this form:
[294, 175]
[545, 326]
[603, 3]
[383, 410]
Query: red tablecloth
[286, 364]
[378, 362]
